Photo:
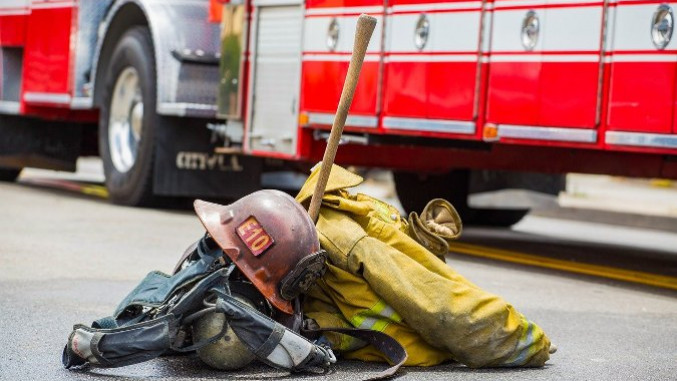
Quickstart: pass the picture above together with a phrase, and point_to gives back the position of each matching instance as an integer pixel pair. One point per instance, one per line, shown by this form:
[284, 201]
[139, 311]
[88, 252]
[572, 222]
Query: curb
[632, 220]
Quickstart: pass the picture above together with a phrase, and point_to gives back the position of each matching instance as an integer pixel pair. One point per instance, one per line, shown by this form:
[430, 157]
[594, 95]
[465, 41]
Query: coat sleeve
[478, 328]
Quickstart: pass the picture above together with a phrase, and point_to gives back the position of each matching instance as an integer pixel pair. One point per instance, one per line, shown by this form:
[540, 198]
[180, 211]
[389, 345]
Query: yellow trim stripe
[380, 325]
[95, 190]
[70, 185]
[574, 267]
[372, 318]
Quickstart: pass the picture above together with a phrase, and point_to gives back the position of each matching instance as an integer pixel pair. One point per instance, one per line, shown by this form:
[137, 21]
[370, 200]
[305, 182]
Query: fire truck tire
[9, 174]
[495, 217]
[415, 190]
[128, 120]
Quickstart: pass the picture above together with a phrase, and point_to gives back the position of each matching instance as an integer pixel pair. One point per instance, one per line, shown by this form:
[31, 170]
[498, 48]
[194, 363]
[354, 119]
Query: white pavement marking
[599, 233]
[619, 194]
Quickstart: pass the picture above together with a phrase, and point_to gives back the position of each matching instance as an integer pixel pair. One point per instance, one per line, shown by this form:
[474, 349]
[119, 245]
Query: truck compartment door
[545, 70]
[405, 93]
[515, 64]
[452, 69]
[13, 20]
[570, 68]
[48, 53]
[431, 66]
[643, 71]
[13, 17]
[276, 72]
[328, 35]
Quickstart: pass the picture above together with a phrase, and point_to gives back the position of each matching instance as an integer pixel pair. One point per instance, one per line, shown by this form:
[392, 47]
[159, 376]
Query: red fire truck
[191, 97]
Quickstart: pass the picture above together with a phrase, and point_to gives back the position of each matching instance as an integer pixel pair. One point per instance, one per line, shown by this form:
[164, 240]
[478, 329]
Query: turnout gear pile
[379, 277]
[375, 288]
[272, 255]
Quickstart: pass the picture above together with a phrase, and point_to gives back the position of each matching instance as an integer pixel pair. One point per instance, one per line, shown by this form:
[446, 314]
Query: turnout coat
[381, 278]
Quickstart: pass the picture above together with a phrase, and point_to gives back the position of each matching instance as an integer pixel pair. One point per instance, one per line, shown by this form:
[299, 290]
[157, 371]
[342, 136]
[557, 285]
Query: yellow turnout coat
[380, 278]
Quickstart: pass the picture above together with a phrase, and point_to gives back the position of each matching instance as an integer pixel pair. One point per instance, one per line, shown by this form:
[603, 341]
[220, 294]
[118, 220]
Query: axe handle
[365, 27]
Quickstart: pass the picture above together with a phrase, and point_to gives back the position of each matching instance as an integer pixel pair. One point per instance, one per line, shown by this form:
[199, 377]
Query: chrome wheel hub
[125, 121]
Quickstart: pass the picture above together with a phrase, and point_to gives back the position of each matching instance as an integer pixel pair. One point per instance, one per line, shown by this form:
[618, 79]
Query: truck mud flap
[26, 142]
[186, 165]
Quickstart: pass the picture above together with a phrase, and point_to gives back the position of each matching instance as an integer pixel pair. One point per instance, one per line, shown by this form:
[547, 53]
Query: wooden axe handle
[365, 27]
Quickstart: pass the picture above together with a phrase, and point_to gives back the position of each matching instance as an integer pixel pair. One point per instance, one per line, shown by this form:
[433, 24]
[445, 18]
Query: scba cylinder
[228, 353]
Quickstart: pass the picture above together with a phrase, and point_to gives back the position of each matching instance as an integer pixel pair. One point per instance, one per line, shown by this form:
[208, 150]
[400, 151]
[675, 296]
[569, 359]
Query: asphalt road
[67, 258]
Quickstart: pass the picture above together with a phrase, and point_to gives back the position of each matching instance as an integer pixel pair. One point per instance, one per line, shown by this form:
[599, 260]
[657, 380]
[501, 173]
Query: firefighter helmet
[272, 241]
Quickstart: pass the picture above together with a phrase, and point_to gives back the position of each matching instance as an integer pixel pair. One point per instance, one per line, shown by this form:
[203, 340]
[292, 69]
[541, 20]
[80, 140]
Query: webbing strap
[107, 322]
[393, 350]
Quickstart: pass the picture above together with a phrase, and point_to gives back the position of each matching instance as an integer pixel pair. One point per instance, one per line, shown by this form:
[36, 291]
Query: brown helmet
[271, 239]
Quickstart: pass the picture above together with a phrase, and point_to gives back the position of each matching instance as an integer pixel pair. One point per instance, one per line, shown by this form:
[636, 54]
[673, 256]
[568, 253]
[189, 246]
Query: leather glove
[438, 224]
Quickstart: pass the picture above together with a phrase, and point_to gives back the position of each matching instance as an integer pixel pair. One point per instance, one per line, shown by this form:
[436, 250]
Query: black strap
[391, 348]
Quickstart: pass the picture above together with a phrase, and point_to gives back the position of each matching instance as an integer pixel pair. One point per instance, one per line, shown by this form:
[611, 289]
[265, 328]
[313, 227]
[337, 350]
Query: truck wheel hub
[125, 120]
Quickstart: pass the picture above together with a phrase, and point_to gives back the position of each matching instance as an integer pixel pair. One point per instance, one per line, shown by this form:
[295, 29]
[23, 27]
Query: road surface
[68, 258]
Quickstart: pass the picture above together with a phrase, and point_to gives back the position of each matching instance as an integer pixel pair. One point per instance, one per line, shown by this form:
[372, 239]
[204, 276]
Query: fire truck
[199, 98]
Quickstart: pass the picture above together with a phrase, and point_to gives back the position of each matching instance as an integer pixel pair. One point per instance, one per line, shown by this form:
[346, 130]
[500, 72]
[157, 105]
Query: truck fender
[186, 48]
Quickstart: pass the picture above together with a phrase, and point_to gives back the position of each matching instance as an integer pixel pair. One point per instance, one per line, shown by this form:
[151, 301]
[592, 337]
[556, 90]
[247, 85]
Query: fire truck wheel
[9, 174]
[495, 217]
[128, 120]
[415, 190]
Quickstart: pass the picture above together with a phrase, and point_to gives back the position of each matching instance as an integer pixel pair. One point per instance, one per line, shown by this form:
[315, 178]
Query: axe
[365, 27]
